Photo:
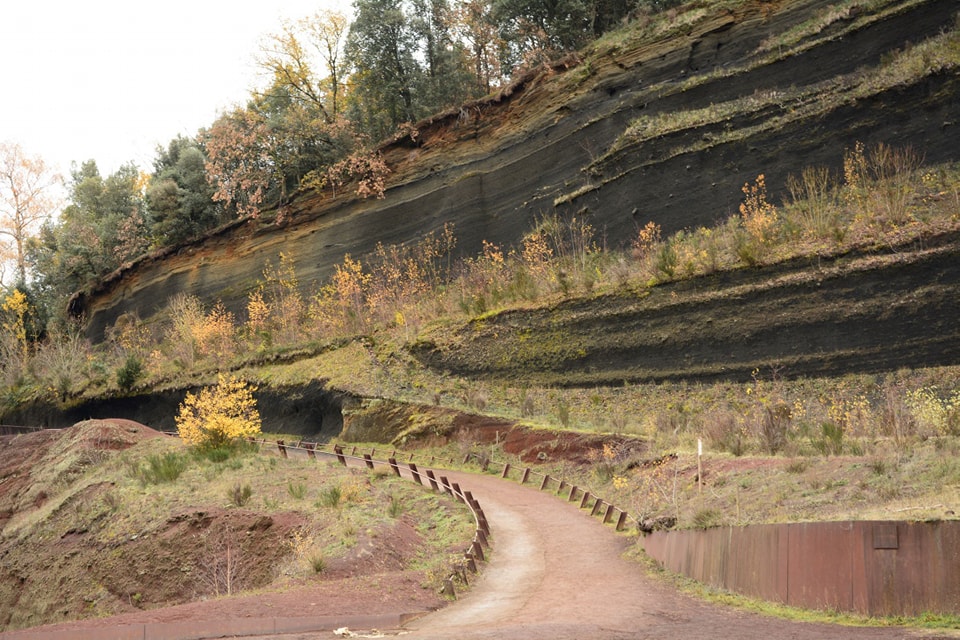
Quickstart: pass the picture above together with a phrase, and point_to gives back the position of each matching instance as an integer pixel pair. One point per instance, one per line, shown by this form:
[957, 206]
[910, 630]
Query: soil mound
[78, 539]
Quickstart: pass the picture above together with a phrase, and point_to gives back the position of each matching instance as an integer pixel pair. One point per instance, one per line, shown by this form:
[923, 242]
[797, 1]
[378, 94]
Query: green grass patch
[162, 467]
[297, 490]
[239, 494]
[330, 497]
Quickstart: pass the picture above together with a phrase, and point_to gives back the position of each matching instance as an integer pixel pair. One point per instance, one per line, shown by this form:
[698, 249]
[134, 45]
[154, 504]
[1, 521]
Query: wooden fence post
[448, 588]
[415, 472]
[482, 519]
[368, 460]
[340, 457]
[621, 520]
[282, 447]
[394, 466]
[433, 480]
[546, 479]
[475, 506]
[608, 514]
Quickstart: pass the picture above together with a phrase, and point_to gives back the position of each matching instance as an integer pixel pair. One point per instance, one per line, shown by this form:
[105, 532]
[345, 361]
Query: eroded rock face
[866, 313]
[551, 144]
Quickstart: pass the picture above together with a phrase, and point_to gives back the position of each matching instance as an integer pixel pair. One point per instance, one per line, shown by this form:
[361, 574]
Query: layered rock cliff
[724, 95]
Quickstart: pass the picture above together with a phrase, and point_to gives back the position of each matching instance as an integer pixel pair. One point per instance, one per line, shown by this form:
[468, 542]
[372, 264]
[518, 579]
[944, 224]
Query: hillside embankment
[867, 312]
[112, 518]
[727, 94]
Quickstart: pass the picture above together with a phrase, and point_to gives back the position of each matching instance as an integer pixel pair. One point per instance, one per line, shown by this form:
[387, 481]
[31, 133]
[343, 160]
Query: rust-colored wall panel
[877, 568]
[819, 569]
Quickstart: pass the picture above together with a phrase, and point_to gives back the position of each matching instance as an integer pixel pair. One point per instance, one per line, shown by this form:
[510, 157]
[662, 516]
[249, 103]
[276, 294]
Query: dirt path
[554, 574]
[557, 574]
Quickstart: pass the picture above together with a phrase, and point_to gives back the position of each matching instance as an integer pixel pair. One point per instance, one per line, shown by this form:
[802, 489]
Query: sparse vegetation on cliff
[883, 199]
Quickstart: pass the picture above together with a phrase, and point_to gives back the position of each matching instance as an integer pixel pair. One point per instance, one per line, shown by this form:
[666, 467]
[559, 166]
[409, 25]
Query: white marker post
[699, 467]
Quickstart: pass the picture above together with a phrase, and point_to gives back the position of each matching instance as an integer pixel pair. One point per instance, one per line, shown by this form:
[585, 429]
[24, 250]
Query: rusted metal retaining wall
[883, 568]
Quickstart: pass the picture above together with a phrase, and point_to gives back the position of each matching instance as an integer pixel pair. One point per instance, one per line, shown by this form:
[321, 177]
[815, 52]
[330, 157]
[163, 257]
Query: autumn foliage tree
[239, 164]
[276, 308]
[15, 309]
[302, 107]
[219, 416]
[258, 155]
[475, 27]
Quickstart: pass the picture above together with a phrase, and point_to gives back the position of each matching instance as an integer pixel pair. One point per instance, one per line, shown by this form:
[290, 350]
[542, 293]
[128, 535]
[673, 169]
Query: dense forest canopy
[333, 88]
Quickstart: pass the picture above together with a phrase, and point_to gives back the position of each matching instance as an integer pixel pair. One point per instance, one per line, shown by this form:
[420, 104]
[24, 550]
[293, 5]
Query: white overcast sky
[109, 80]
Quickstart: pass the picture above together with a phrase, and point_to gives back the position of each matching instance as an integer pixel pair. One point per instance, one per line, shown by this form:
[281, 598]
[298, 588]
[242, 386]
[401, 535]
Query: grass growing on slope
[153, 520]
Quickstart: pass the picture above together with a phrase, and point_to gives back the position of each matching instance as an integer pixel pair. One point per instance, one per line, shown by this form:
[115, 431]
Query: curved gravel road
[556, 573]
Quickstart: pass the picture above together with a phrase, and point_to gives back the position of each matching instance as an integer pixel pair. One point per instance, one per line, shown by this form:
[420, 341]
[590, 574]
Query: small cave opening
[311, 411]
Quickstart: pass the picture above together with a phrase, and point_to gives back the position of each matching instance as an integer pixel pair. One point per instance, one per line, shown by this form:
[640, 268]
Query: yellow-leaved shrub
[219, 415]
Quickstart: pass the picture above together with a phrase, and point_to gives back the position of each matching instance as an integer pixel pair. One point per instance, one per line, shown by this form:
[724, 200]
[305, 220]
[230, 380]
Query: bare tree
[297, 57]
[26, 200]
[221, 565]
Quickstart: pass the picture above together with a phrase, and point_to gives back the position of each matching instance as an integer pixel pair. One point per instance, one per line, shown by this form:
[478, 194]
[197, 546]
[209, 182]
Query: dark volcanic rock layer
[311, 410]
[857, 313]
[554, 142]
